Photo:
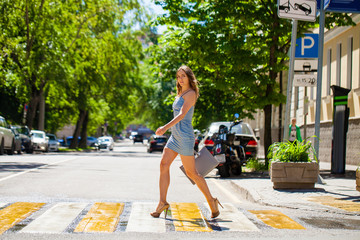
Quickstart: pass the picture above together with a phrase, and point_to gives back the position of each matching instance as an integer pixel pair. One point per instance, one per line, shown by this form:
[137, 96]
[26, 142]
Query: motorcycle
[231, 156]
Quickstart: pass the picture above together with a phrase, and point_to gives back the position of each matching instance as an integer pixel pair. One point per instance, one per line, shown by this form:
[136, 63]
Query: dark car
[138, 138]
[17, 140]
[285, 7]
[244, 136]
[25, 136]
[303, 7]
[156, 143]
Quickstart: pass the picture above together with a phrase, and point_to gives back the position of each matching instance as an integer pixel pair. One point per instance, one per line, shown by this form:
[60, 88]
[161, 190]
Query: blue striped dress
[182, 139]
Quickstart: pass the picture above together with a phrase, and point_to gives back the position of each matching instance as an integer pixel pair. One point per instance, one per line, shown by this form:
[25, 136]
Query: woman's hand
[160, 131]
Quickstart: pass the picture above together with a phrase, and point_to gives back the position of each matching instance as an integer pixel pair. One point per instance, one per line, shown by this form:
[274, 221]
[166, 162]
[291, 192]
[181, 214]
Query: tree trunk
[79, 123]
[33, 106]
[267, 133]
[83, 140]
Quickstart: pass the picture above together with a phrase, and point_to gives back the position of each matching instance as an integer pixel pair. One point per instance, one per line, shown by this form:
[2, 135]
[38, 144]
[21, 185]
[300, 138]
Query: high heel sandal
[165, 208]
[216, 213]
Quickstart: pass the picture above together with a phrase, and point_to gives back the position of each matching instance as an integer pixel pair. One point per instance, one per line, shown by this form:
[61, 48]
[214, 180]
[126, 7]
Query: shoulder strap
[185, 92]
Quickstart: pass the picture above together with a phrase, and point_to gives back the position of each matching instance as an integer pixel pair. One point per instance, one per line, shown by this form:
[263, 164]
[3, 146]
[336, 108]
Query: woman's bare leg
[189, 165]
[167, 159]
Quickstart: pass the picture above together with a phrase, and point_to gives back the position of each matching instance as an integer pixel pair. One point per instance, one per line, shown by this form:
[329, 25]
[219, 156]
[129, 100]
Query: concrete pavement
[337, 194]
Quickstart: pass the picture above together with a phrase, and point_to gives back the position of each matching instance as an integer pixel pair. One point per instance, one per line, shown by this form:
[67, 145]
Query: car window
[38, 135]
[160, 140]
[2, 122]
[241, 129]
[51, 137]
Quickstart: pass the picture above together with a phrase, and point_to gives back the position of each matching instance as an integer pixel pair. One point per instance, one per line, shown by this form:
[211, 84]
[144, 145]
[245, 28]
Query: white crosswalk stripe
[141, 221]
[231, 219]
[56, 219]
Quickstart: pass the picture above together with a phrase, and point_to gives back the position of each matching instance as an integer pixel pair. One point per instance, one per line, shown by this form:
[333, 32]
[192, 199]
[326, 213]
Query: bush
[256, 165]
[292, 152]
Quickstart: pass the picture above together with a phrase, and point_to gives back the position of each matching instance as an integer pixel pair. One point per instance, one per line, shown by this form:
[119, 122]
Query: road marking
[346, 205]
[102, 217]
[34, 169]
[15, 213]
[56, 219]
[227, 192]
[141, 221]
[276, 219]
[2, 204]
[188, 217]
[231, 219]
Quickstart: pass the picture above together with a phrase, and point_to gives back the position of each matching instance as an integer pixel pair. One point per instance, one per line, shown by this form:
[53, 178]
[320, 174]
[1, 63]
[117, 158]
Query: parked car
[7, 138]
[138, 138]
[156, 143]
[17, 148]
[303, 7]
[53, 142]
[91, 141]
[106, 142]
[25, 136]
[244, 136]
[40, 140]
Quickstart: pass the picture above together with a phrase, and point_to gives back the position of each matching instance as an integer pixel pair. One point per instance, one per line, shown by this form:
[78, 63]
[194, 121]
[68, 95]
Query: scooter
[229, 155]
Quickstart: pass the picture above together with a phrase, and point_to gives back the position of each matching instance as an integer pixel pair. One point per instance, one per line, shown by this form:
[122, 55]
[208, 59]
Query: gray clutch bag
[204, 162]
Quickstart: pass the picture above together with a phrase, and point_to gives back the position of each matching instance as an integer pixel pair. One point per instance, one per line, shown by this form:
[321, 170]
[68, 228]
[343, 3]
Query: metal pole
[319, 79]
[290, 79]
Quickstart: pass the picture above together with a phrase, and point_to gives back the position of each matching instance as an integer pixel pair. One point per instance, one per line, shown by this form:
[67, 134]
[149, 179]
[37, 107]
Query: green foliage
[256, 165]
[292, 151]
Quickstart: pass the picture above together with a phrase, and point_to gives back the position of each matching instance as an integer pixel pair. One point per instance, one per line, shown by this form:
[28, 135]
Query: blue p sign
[307, 46]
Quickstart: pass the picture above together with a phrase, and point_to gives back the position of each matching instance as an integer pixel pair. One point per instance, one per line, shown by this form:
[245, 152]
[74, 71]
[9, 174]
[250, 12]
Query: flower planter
[294, 174]
[358, 180]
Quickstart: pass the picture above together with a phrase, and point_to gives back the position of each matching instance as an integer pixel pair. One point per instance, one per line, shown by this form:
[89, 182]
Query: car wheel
[11, 151]
[296, 6]
[236, 170]
[224, 171]
[286, 10]
[2, 148]
[307, 13]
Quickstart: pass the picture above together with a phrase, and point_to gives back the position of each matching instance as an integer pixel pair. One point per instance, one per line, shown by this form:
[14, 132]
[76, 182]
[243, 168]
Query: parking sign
[307, 46]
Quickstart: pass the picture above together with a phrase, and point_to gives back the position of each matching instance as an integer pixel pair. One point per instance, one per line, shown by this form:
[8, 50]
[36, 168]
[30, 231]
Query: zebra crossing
[105, 217]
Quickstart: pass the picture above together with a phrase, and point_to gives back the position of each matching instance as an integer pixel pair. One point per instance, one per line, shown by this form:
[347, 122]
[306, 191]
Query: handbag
[205, 162]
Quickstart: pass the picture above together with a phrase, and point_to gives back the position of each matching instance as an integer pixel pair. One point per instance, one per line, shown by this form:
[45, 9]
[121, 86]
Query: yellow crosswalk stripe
[276, 219]
[346, 205]
[102, 217]
[15, 213]
[188, 217]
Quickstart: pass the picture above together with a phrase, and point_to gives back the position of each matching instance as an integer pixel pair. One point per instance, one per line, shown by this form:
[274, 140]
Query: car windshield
[238, 129]
[51, 137]
[23, 130]
[38, 135]
[160, 140]
[104, 140]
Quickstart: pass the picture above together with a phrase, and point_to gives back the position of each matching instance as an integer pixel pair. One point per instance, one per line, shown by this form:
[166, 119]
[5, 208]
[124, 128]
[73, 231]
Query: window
[338, 65]
[350, 62]
[328, 68]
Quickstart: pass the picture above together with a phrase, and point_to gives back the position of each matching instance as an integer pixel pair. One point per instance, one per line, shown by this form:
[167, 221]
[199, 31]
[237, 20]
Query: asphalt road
[123, 186]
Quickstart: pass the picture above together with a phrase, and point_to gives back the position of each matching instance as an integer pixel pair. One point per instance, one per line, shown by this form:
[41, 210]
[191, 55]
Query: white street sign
[304, 10]
[305, 80]
[306, 65]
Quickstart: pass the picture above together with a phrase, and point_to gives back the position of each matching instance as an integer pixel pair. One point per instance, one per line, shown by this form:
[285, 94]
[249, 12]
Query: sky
[156, 9]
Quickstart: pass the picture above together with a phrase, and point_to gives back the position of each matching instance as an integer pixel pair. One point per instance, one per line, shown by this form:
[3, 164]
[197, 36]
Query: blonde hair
[192, 80]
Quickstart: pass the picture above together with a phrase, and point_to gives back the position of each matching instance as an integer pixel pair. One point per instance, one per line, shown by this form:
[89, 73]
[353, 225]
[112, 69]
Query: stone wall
[352, 142]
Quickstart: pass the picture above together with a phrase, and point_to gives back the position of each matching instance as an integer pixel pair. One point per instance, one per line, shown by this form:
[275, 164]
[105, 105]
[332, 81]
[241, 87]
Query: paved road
[108, 195]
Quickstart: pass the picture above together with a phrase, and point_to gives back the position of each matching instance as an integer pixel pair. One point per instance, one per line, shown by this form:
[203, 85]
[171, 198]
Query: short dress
[182, 139]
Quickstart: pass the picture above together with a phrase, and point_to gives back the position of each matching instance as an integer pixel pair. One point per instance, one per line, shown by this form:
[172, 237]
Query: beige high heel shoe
[216, 213]
[165, 208]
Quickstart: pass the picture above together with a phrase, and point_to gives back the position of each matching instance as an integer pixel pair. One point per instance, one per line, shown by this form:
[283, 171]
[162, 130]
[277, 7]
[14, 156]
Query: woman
[182, 141]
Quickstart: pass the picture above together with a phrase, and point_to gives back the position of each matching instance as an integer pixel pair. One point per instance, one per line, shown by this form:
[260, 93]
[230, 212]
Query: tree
[236, 49]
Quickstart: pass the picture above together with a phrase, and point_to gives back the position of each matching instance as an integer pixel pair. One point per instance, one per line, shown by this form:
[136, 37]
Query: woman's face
[182, 78]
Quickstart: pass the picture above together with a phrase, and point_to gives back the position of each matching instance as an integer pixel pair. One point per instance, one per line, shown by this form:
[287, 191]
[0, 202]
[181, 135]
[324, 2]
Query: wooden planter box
[294, 174]
[358, 180]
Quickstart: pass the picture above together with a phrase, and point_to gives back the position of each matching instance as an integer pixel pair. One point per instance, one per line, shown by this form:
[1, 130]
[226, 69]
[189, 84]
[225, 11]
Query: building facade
[341, 67]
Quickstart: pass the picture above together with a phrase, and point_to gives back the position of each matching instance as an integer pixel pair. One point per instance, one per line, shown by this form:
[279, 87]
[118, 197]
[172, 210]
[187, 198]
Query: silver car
[7, 138]
[53, 142]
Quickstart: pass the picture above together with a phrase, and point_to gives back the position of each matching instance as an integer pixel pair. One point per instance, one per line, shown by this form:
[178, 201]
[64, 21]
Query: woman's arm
[189, 101]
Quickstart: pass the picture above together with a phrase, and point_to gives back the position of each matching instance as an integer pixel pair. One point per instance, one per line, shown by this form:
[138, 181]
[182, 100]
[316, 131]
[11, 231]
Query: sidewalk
[258, 188]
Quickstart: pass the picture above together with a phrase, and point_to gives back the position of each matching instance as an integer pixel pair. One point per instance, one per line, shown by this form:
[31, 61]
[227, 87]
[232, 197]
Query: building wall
[341, 66]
